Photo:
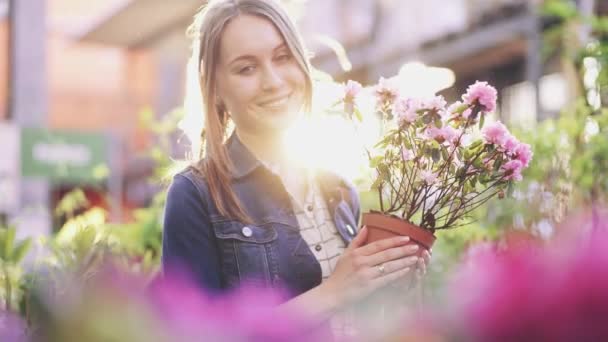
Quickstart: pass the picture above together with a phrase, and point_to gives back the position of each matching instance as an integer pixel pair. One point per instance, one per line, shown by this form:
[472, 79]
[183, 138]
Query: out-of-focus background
[89, 89]
[94, 118]
[75, 75]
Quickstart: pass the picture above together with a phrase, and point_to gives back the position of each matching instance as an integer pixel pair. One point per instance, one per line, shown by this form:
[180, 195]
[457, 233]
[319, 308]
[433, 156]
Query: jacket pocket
[248, 253]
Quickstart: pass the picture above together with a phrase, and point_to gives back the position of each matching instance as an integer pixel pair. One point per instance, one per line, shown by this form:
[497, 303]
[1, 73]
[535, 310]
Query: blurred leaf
[101, 172]
[21, 250]
[559, 8]
[71, 202]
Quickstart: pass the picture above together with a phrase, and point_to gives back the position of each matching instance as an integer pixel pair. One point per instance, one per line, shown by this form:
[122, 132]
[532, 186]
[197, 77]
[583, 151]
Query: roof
[140, 22]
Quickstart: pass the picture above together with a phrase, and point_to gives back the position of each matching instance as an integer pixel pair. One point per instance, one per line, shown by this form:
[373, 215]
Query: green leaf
[510, 189]
[438, 122]
[435, 154]
[358, 114]
[375, 161]
[9, 238]
[473, 181]
[475, 144]
[482, 120]
[445, 154]
[21, 250]
[377, 183]
[559, 8]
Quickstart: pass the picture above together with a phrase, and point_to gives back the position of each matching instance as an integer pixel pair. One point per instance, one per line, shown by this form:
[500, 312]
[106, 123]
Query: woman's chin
[280, 119]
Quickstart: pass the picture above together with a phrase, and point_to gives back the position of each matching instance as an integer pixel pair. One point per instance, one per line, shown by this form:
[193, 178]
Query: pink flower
[385, 91]
[407, 155]
[456, 110]
[533, 293]
[436, 103]
[523, 153]
[510, 145]
[454, 107]
[483, 94]
[405, 110]
[495, 133]
[512, 170]
[444, 134]
[351, 89]
[428, 177]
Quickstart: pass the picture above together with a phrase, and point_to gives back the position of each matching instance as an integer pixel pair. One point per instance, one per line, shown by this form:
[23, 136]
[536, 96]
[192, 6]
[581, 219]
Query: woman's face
[258, 79]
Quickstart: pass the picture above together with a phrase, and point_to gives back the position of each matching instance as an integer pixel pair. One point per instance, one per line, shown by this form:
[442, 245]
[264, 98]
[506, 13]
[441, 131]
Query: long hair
[206, 30]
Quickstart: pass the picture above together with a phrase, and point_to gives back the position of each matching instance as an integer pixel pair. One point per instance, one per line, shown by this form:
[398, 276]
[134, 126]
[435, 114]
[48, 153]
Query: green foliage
[12, 253]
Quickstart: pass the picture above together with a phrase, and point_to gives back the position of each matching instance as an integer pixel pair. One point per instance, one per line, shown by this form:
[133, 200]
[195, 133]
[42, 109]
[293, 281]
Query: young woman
[242, 213]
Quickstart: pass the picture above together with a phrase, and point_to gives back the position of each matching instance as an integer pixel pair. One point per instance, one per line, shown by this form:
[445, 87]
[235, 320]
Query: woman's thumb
[360, 239]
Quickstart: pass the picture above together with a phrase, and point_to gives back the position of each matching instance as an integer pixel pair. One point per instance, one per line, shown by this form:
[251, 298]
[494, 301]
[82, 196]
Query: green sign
[63, 156]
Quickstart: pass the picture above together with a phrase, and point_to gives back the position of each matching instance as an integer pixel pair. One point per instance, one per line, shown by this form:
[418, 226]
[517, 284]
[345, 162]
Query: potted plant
[434, 163]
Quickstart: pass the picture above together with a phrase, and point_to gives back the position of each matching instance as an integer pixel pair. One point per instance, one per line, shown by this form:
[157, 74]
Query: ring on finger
[381, 269]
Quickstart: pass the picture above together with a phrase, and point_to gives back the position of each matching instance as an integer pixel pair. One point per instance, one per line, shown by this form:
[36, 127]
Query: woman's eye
[283, 57]
[246, 70]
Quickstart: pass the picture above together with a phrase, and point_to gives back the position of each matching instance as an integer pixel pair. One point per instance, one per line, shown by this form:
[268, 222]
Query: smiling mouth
[278, 102]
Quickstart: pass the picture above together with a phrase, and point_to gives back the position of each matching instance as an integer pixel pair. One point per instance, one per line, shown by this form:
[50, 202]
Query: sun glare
[326, 138]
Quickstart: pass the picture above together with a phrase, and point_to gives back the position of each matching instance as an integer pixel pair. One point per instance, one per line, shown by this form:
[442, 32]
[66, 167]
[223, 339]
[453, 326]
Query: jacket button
[247, 232]
[318, 248]
[350, 229]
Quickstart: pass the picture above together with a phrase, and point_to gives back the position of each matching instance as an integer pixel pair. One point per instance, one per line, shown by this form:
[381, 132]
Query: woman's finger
[393, 266]
[421, 267]
[391, 254]
[427, 257]
[389, 278]
[381, 245]
[359, 239]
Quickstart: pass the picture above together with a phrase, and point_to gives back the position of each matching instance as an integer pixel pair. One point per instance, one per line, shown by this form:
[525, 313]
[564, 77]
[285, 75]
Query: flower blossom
[405, 110]
[456, 112]
[444, 134]
[512, 170]
[428, 177]
[523, 153]
[385, 91]
[510, 144]
[351, 89]
[436, 103]
[407, 154]
[495, 133]
[483, 94]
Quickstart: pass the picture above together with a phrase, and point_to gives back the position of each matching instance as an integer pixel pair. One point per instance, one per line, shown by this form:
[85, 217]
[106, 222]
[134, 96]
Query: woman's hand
[363, 269]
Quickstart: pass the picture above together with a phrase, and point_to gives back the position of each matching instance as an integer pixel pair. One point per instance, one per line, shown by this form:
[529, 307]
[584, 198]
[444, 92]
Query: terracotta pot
[381, 226]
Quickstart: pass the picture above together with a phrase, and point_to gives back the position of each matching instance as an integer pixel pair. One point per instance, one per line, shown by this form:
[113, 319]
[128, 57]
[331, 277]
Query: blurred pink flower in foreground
[530, 292]
[245, 314]
[12, 328]
[171, 308]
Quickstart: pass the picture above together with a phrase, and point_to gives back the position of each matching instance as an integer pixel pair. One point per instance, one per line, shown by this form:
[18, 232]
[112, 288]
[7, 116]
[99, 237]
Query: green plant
[12, 253]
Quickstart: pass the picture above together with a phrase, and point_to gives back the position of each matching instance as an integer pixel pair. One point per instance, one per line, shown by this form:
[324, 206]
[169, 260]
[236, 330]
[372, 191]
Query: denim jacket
[222, 253]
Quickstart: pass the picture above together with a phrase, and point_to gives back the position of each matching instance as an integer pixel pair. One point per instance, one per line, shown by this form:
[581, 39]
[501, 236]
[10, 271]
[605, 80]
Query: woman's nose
[272, 79]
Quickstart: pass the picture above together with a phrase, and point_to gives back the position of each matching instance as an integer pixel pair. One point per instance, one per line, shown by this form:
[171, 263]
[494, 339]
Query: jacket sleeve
[188, 241]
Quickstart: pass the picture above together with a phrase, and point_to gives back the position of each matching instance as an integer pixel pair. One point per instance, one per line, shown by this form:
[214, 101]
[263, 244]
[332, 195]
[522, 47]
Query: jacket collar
[243, 160]
[244, 163]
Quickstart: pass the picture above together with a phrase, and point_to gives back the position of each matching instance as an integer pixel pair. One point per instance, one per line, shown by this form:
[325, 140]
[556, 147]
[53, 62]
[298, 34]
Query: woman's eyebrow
[251, 57]
[280, 46]
[243, 57]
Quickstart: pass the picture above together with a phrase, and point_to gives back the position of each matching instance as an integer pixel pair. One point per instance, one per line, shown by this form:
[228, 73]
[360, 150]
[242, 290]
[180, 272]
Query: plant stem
[9, 289]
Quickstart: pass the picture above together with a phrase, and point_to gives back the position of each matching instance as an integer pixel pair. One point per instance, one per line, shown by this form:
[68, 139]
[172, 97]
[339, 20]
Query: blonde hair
[214, 163]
